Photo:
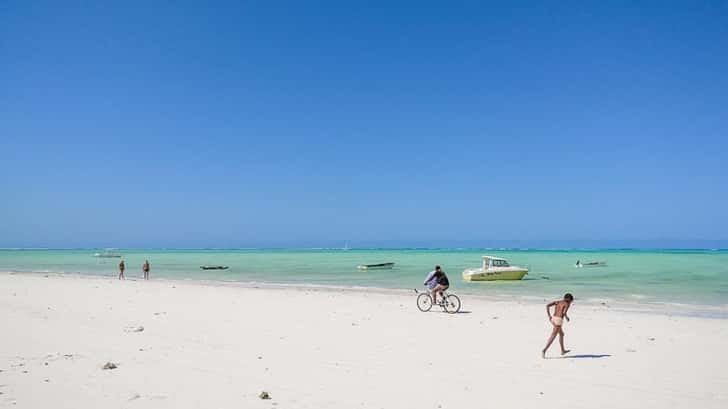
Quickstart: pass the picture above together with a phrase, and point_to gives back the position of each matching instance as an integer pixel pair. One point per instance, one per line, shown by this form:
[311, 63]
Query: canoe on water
[375, 266]
[592, 264]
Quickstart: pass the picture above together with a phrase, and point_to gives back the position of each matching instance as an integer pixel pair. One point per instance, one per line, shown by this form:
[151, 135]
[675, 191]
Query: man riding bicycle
[437, 282]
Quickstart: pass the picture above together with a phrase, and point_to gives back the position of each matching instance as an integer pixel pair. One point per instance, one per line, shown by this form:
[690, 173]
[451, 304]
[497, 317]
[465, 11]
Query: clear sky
[261, 123]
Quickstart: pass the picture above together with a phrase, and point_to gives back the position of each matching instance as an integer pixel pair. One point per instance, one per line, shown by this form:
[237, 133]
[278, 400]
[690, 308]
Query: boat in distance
[579, 264]
[214, 267]
[107, 253]
[494, 269]
[377, 266]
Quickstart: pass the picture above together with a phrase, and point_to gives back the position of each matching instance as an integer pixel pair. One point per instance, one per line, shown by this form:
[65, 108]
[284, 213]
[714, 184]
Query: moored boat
[214, 267]
[493, 269]
[375, 266]
[579, 264]
[107, 253]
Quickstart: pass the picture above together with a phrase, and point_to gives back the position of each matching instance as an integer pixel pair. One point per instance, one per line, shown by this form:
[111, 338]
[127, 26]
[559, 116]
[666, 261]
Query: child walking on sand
[560, 309]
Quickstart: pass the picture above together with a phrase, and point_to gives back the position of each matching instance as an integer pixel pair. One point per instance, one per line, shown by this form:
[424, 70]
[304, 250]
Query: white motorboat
[108, 253]
[494, 268]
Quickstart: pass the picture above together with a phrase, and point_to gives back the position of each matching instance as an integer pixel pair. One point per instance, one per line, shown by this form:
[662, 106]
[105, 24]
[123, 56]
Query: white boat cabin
[490, 261]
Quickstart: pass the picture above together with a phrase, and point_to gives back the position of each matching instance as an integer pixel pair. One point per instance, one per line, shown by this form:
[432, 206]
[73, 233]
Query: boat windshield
[499, 263]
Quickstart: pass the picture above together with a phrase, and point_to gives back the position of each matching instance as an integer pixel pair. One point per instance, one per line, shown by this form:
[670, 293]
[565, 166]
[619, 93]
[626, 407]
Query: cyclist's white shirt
[430, 281]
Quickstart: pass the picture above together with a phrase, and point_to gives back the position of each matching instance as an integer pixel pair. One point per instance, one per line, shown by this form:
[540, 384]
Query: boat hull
[494, 276]
[599, 264]
[380, 266]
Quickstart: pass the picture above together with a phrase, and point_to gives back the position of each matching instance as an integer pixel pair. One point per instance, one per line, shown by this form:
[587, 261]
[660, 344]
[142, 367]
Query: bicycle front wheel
[424, 302]
[452, 304]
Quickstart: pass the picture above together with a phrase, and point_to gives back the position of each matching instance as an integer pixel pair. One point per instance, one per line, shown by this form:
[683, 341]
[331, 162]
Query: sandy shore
[207, 346]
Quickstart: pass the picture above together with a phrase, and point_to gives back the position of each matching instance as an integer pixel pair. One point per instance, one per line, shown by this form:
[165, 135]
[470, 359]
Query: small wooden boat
[214, 267]
[579, 264]
[378, 266]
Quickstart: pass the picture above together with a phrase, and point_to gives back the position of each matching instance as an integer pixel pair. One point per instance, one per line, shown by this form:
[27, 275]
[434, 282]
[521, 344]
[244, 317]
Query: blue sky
[264, 123]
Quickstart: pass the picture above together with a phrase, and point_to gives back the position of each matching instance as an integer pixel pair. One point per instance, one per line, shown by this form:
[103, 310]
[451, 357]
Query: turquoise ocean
[696, 277]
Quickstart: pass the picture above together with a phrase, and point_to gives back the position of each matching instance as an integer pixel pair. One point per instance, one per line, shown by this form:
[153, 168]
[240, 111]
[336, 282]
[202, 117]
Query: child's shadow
[592, 356]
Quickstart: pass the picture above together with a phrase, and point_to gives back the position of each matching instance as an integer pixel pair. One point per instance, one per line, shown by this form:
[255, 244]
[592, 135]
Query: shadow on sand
[592, 356]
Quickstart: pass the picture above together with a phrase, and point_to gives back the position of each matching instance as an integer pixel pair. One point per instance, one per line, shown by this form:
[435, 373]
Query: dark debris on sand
[109, 365]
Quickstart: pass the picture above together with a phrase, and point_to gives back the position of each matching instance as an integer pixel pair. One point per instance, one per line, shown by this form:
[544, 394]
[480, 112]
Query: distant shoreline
[649, 307]
[642, 277]
[516, 249]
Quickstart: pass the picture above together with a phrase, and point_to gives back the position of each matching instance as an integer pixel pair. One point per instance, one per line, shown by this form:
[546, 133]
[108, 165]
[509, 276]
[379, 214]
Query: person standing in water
[560, 309]
[145, 268]
[122, 267]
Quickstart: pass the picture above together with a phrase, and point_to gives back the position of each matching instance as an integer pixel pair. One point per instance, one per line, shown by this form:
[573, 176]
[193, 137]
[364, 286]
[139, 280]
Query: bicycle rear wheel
[452, 303]
[424, 302]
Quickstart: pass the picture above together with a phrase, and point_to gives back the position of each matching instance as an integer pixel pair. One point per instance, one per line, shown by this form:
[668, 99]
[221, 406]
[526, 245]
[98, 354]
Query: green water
[666, 276]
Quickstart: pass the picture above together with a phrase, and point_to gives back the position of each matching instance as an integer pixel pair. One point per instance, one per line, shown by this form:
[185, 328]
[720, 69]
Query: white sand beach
[219, 346]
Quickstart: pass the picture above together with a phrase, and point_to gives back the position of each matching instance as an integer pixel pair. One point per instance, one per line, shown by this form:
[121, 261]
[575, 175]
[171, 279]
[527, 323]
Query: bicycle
[449, 302]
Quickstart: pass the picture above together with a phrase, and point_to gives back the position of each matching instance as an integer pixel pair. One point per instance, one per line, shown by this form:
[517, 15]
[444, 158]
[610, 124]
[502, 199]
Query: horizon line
[529, 248]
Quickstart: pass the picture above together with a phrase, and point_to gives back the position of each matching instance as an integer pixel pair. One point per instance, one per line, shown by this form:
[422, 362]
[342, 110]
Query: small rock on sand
[264, 395]
[109, 365]
[138, 328]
